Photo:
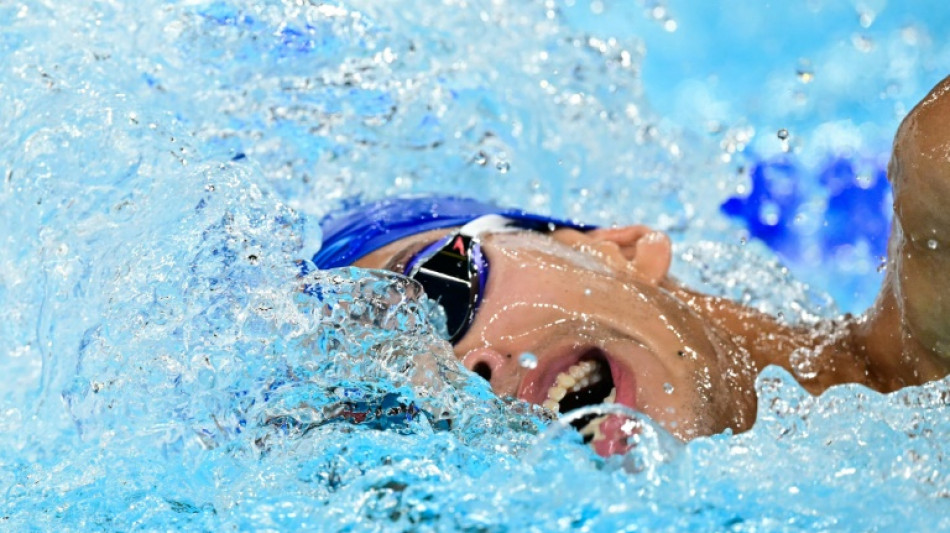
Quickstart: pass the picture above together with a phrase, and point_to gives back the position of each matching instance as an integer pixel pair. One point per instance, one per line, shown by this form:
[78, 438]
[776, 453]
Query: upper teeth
[580, 375]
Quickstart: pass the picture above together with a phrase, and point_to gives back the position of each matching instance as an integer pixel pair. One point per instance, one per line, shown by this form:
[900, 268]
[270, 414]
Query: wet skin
[689, 360]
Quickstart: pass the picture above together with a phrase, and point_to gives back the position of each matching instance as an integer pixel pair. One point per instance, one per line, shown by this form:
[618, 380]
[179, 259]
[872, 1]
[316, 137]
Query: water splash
[174, 362]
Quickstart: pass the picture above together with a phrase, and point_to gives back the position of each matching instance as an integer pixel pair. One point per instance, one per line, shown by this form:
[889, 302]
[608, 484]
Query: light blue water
[163, 166]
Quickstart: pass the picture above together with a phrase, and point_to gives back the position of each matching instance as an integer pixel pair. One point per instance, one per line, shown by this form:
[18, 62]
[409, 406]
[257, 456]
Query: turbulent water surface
[170, 361]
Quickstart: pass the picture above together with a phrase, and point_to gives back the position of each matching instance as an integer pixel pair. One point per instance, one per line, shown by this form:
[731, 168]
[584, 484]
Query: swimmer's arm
[906, 334]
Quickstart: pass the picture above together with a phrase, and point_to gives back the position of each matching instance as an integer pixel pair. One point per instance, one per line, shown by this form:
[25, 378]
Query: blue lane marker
[857, 206]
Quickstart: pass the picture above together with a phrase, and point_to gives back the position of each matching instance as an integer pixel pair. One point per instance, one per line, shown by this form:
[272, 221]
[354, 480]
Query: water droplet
[932, 244]
[804, 363]
[528, 360]
[481, 159]
[864, 180]
[503, 167]
[770, 213]
[910, 35]
[668, 388]
[862, 43]
[782, 134]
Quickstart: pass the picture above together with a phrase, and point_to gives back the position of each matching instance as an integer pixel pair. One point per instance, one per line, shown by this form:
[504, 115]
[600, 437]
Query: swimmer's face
[604, 297]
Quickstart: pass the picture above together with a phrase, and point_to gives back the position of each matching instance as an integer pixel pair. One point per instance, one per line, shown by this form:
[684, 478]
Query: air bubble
[932, 244]
[528, 360]
[668, 388]
[503, 167]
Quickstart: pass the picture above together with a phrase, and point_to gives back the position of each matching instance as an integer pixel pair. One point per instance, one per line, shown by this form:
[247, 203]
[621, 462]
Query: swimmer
[565, 315]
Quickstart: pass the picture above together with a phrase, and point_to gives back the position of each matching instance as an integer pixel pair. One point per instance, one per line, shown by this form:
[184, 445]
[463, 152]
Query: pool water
[171, 361]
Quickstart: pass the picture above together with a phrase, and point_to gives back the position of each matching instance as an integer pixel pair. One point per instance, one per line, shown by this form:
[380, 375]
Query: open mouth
[589, 381]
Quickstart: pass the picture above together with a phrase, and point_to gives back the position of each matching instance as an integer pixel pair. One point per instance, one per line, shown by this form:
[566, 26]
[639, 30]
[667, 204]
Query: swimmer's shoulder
[909, 325]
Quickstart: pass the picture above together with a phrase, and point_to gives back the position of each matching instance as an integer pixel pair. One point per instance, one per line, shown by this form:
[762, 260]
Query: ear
[647, 251]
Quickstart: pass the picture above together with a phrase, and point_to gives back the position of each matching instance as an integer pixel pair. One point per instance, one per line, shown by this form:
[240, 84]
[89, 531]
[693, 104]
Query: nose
[494, 367]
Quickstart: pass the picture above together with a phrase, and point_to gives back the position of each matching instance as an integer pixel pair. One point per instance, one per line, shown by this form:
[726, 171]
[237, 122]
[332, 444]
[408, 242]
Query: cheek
[718, 375]
[730, 375]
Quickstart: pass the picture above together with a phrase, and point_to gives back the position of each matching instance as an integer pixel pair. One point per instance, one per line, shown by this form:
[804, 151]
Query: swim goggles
[453, 271]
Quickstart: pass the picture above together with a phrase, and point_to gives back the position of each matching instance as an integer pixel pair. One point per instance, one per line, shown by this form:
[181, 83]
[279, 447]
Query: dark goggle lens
[449, 278]
[454, 272]
[454, 297]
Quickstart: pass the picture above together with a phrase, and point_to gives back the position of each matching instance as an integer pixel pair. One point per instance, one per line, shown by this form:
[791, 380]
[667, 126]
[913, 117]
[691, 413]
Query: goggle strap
[489, 223]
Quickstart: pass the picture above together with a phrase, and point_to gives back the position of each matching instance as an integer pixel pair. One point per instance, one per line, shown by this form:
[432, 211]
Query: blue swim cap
[357, 230]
